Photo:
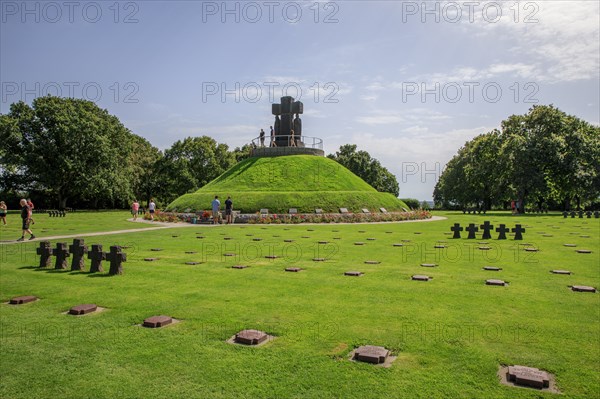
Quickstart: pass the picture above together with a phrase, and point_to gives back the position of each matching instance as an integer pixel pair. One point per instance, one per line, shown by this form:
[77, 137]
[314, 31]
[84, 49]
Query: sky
[407, 81]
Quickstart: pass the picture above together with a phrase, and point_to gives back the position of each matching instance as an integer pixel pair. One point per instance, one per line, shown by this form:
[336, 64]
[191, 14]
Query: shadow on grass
[98, 274]
[29, 267]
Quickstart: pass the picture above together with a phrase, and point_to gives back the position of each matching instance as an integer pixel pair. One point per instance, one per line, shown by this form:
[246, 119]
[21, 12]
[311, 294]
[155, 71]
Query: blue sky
[409, 82]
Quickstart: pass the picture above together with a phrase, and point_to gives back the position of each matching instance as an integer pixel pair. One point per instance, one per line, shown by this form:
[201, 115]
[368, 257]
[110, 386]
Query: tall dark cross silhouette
[502, 230]
[97, 256]
[472, 229]
[518, 230]
[285, 121]
[487, 228]
[62, 253]
[456, 229]
[78, 249]
[45, 252]
[116, 258]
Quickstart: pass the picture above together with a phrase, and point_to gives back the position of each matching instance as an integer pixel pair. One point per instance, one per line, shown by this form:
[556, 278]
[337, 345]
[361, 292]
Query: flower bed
[206, 217]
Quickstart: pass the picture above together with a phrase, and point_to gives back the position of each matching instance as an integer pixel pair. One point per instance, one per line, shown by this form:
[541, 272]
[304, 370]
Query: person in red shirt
[30, 205]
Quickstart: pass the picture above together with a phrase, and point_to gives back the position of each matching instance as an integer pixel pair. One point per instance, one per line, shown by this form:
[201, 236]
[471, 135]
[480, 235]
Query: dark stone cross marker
[487, 228]
[97, 256]
[45, 252]
[565, 214]
[472, 229]
[572, 214]
[78, 249]
[62, 253]
[518, 230]
[116, 258]
[588, 214]
[456, 229]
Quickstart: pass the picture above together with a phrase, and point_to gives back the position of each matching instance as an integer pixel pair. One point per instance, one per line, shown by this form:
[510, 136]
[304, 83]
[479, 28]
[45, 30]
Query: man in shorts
[25, 215]
[228, 210]
[151, 208]
[216, 207]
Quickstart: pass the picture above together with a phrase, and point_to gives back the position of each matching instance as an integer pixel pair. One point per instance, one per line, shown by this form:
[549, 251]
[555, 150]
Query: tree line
[66, 152]
[543, 159]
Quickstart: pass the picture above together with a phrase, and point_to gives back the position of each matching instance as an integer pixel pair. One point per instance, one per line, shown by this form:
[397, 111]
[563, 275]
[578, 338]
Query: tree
[69, 146]
[191, 163]
[369, 169]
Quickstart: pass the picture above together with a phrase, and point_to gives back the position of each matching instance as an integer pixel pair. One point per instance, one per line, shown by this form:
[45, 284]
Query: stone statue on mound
[285, 121]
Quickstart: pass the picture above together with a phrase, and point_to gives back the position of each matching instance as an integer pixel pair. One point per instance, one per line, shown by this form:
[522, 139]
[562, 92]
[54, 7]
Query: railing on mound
[286, 145]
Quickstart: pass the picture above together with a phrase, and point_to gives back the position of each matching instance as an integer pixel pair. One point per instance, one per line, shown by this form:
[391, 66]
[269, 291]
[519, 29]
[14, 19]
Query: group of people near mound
[291, 142]
[216, 209]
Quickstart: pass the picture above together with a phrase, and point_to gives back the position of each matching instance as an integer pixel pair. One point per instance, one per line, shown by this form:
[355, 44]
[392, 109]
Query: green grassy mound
[304, 182]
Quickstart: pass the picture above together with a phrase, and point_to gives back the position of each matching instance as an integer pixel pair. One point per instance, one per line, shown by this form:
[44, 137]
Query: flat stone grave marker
[157, 321]
[388, 232]
[371, 354]
[495, 282]
[547, 235]
[429, 264]
[420, 277]
[492, 268]
[19, 300]
[531, 249]
[584, 251]
[257, 239]
[228, 238]
[335, 231]
[383, 210]
[228, 254]
[174, 236]
[193, 263]
[439, 246]
[584, 236]
[337, 238]
[250, 337]
[271, 257]
[417, 232]
[293, 269]
[569, 245]
[150, 259]
[344, 210]
[83, 309]
[276, 235]
[560, 272]
[318, 259]
[372, 262]
[200, 237]
[45, 252]
[318, 211]
[371, 239]
[293, 211]
[249, 235]
[405, 240]
[156, 249]
[191, 252]
[583, 288]
[365, 210]
[528, 376]
[362, 231]
[288, 240]
[323, 242]
[310, 229]
[353, 273]
[239, 266]
[61, 252]
[286, 228]
[398, 244]
[359, 243]
[305, 237]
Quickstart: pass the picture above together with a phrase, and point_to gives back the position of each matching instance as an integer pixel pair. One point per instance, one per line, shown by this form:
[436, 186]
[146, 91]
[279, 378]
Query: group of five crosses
[487, 228]
[78, 250]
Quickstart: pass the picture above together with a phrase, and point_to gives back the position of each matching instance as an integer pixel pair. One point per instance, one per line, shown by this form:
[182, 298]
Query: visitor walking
[216, 207]
[292, 139]
[262, 138]
[26, 216]
[228, 210]
[135, 208]
[3, 211]
[30, 205]
[151, 208]
[273, 144]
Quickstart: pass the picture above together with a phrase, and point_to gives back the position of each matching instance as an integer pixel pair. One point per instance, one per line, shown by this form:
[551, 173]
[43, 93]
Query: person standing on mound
[25, 215]
[228, 210]
[216, 207]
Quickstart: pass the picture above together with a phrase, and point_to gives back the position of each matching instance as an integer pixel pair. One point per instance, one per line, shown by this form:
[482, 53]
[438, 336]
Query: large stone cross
[62, 253]
[45, 252]
[116, 258]
[78, 249]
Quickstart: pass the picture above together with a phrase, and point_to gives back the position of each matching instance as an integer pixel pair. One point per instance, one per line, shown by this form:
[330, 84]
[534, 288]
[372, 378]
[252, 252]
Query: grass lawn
[450, 334]
[73, 223]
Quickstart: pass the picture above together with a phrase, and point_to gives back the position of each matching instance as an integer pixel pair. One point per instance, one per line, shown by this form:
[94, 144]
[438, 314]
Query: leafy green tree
[369, 169]
[69, 146]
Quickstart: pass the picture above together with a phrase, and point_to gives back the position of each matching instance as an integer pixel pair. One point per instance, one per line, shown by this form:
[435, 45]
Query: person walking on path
[228, 210]
[273, 143]
[262, 138]
[135, 208]
[216, 207]
[3, 211]
[151, 208]
[30, 205]
[26, 216]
